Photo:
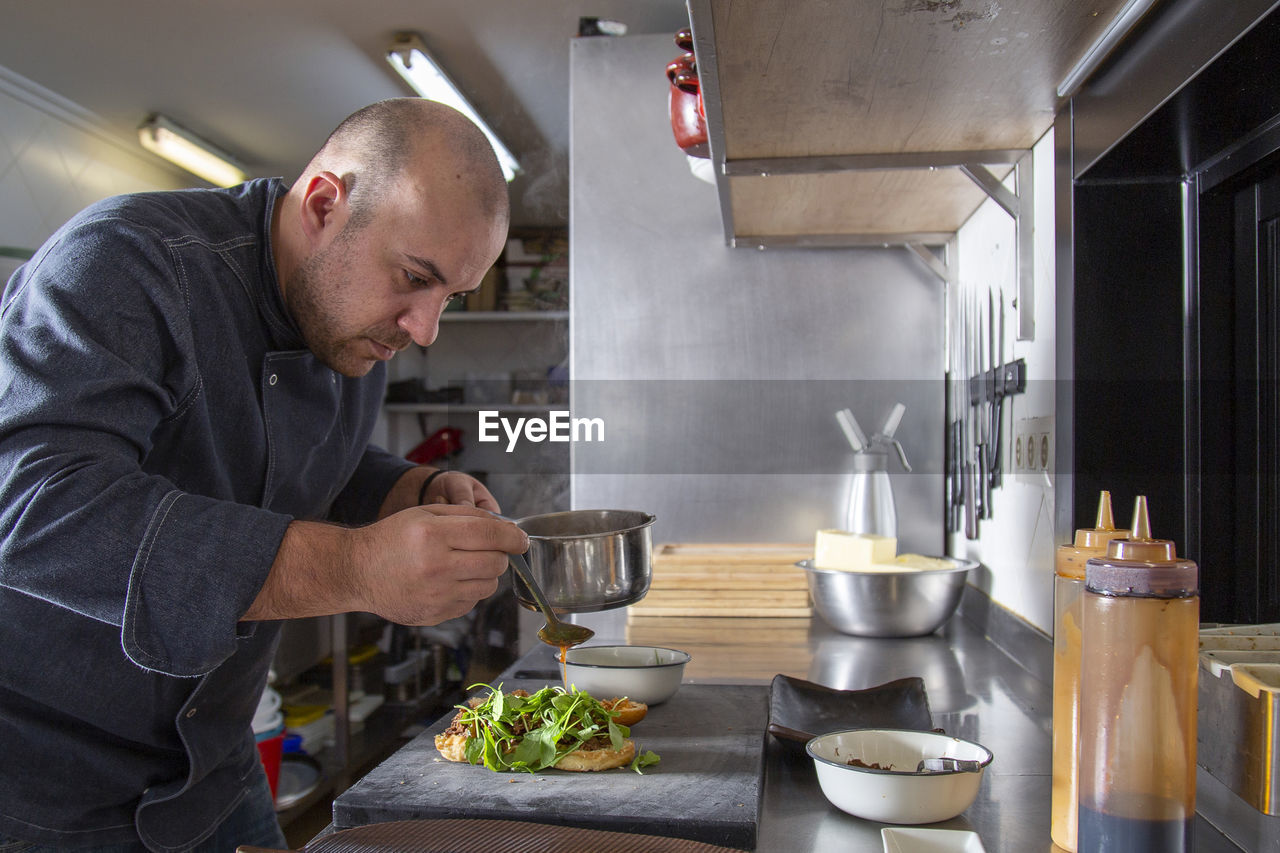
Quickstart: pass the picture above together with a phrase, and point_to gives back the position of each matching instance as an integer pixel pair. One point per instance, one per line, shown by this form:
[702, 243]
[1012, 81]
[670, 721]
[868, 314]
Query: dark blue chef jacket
[161, 423]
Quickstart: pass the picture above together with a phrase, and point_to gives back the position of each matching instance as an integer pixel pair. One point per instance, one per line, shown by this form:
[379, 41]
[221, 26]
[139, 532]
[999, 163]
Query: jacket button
[191, 713]
[271, 380]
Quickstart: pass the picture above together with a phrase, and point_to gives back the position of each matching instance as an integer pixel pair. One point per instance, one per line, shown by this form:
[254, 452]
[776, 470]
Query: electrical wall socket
[1033, 447]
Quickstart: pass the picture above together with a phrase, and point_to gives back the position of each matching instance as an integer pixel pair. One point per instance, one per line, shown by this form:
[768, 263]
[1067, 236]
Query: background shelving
[514, 361]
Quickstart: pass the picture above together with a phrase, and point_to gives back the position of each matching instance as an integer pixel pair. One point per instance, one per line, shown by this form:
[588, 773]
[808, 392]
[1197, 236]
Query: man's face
[373, 290]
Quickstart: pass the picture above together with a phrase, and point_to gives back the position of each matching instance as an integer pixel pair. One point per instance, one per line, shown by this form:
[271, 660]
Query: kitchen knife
[953, 417]
[955, 389]
[989, 405]
[981, 420]
[968, 472]
[997, 471]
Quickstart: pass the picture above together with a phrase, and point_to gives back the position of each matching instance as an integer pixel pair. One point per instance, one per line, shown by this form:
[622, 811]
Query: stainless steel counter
[976, 690]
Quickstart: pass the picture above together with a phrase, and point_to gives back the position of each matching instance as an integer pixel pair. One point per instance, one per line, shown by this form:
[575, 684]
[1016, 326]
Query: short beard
[317, 296]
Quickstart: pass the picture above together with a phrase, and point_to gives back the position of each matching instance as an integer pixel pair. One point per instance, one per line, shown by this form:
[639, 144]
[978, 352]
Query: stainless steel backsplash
[717, 371]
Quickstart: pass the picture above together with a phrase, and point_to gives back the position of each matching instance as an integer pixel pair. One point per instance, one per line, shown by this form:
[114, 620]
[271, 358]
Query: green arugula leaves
[644, 759]
[508, 732]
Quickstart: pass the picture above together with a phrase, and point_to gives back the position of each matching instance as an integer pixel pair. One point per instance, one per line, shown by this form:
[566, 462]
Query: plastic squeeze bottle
[1068, 586]
[1140, 618]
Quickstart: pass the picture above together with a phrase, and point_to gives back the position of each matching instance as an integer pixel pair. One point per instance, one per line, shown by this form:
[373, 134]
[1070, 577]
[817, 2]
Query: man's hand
[427, 564]
[452, 487]
[460, 489]
[420, 566]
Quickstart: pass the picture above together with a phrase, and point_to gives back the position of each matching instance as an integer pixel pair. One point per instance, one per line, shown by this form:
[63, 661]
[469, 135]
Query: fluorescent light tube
[161, 136]
[408, 56]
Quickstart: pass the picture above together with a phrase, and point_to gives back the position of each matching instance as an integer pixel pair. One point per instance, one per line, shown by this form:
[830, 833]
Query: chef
[188, 383]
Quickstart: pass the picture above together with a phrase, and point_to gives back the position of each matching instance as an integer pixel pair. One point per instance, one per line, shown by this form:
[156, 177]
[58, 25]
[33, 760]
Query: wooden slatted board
[718, 579]
[730, 651]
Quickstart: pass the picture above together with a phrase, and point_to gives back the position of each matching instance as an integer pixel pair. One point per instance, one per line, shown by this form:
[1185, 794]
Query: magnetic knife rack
[999, 382]
[989, 387]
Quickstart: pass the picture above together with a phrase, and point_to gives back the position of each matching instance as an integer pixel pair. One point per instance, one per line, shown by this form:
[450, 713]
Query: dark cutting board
[706, 788]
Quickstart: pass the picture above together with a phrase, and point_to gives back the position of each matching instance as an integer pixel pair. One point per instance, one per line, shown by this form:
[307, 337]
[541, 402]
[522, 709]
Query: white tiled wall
[55, 158]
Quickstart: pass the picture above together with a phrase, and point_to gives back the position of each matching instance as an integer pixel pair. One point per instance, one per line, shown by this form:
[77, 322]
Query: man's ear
[324, 207]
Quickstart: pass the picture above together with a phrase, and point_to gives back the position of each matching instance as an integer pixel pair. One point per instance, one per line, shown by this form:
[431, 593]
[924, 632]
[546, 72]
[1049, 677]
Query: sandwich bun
[626, 712]
[605, 758]
[454, 748]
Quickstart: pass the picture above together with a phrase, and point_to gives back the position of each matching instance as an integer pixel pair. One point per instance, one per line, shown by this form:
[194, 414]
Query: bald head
[413, 139]
[402, 210]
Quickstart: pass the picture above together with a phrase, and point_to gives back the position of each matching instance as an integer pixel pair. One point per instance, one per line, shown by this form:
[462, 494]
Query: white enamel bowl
[899, 794]
[647, 674]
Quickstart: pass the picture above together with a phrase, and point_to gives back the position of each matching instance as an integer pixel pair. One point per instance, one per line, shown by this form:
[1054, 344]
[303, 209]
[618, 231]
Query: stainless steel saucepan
[588, 560]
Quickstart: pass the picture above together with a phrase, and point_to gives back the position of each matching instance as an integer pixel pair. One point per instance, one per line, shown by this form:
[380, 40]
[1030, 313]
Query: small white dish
[871, 774]
[647, 674]
[913, 840]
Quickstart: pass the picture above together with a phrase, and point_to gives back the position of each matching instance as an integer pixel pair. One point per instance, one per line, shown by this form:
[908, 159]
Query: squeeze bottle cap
[1140, 545]
[1089, 542]
[1104, 529]
[1142, 565]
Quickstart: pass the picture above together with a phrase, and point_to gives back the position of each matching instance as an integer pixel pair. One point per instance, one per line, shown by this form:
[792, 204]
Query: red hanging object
[441, 444]
[684, 100]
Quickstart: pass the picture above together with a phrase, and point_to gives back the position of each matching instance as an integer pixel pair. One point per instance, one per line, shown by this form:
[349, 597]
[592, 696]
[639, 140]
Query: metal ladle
[554, 633]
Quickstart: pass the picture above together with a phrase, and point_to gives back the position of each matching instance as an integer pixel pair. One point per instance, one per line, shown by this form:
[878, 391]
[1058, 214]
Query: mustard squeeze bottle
[1068, 586]
[1140, 618]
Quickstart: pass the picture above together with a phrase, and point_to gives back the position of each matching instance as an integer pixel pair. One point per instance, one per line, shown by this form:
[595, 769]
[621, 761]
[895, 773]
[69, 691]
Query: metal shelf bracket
[941, 267]
[1020, 205]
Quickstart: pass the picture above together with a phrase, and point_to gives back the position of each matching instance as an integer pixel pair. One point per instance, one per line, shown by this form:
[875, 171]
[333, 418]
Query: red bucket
[269, 751]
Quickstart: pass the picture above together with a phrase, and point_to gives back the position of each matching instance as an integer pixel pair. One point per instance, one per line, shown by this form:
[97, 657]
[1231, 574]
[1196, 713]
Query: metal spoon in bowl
[554, 633]
[948, 765]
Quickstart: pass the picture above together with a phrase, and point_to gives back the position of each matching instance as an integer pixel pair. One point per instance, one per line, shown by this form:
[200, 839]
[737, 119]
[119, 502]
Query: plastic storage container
[268, 733]
[1240, 691]
[1069, 567]
[270, 749]
[313, 723]
[1140, 635]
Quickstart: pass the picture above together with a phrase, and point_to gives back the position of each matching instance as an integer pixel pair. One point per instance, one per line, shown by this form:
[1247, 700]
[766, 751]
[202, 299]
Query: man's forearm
[313, 574]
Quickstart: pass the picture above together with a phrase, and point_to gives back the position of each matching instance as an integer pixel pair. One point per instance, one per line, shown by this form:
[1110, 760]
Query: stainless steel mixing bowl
[588, 559]
[887, 604]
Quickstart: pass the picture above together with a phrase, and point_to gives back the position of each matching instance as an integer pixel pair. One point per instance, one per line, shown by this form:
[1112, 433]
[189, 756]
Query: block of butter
[917, 561]
[852, 552]
[907, 563]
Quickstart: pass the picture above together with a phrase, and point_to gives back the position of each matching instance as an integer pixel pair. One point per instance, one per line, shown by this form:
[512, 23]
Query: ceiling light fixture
[178, 145]
[408, 56]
